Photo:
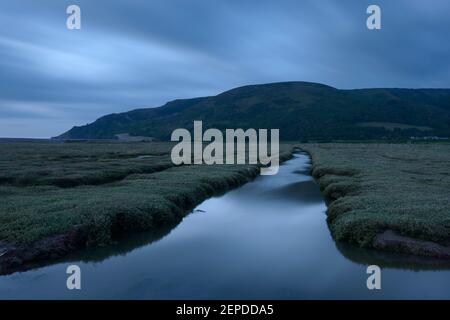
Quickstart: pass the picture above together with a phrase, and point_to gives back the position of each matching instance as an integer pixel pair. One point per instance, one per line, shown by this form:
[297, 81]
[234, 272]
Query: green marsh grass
[106, 188]
[375, 187]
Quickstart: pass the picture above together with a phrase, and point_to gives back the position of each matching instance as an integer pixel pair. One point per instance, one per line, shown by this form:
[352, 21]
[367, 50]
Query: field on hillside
[372, 188]
[48, 188]
[321, 113]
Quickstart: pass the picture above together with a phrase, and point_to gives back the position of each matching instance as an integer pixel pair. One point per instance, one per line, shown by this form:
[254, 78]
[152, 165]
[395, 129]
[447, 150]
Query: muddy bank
[389, 240]
[390, 259]
[15, 257]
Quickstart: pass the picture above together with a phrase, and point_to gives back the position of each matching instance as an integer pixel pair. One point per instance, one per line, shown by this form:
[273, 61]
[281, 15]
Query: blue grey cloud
[132, 54]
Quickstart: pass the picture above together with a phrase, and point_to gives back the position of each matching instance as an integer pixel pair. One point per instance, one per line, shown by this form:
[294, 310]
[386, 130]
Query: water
[266, 240]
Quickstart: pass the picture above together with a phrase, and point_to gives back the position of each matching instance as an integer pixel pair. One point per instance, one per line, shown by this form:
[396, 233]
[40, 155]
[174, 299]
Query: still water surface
[266, 240]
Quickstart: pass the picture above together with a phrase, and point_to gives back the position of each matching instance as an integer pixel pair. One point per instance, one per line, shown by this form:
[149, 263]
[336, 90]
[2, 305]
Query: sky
[132, 54]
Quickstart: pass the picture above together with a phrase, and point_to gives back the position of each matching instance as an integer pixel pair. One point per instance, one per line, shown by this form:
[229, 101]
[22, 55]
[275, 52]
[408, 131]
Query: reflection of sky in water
[253, 242]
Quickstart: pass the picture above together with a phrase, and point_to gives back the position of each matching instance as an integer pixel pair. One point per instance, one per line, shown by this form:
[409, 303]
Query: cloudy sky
[133, 54]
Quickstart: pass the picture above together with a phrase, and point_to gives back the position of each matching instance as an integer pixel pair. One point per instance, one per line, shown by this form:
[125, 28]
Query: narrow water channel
[266, 240]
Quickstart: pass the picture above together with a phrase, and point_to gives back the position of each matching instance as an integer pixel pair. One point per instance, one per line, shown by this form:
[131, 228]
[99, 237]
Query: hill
[301, 110]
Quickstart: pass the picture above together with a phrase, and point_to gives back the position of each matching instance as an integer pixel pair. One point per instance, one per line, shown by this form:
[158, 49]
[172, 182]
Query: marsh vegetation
[372, 188]
[96, 191]
[62, 196]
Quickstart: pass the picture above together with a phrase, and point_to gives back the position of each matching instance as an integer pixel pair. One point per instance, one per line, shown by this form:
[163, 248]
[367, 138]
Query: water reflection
[304, 192]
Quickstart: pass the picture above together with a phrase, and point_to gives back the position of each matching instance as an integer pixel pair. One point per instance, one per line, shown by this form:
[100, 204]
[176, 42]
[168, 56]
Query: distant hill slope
[301, 110]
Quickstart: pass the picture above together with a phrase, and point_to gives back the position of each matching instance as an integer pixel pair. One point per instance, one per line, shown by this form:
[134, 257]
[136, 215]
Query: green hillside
[301, 110]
